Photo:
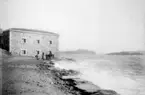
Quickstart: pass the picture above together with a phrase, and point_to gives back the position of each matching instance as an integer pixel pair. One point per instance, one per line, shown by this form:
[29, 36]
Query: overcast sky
[99, 25]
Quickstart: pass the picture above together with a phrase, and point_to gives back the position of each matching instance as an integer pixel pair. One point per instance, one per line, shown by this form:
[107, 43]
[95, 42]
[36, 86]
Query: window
[23, 51]
[38, 51]
[38, 41]
[24, 40]
[50, 42]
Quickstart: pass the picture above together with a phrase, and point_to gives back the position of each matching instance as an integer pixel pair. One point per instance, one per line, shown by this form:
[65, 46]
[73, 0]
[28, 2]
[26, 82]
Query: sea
[125, 75]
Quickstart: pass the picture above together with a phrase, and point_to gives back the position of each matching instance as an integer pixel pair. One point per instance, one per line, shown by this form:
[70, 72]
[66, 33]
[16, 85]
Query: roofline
[32, 30]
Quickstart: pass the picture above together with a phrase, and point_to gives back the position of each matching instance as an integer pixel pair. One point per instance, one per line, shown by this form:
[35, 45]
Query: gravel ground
[27, 76]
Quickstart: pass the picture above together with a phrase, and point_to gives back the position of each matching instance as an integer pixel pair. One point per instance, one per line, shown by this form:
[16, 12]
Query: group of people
[48, 56]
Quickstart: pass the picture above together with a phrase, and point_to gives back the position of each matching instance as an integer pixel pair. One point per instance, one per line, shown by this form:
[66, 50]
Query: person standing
[43, 56]
[50, 55]
[46, 56]
[36, 56]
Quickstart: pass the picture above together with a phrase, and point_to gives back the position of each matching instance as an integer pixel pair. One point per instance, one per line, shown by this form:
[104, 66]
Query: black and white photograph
[72, 47]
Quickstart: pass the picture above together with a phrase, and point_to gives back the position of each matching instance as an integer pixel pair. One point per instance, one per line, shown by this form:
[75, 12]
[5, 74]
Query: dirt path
[22, 77]
[27, 76]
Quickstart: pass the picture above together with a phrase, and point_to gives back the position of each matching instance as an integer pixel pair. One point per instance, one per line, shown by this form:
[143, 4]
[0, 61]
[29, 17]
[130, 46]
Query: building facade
[29, 42]
[1, 38]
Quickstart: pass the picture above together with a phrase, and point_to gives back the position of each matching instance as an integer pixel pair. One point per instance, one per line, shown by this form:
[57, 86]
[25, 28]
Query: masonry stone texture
[29, 42]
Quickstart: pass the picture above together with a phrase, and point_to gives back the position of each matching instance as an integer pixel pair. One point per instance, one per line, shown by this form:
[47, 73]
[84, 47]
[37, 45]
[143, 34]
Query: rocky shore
[73, 85]
[26, 76]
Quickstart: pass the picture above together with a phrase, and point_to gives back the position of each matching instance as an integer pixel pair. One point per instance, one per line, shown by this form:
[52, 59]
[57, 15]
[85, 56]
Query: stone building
[29, 42]
[1, 38]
